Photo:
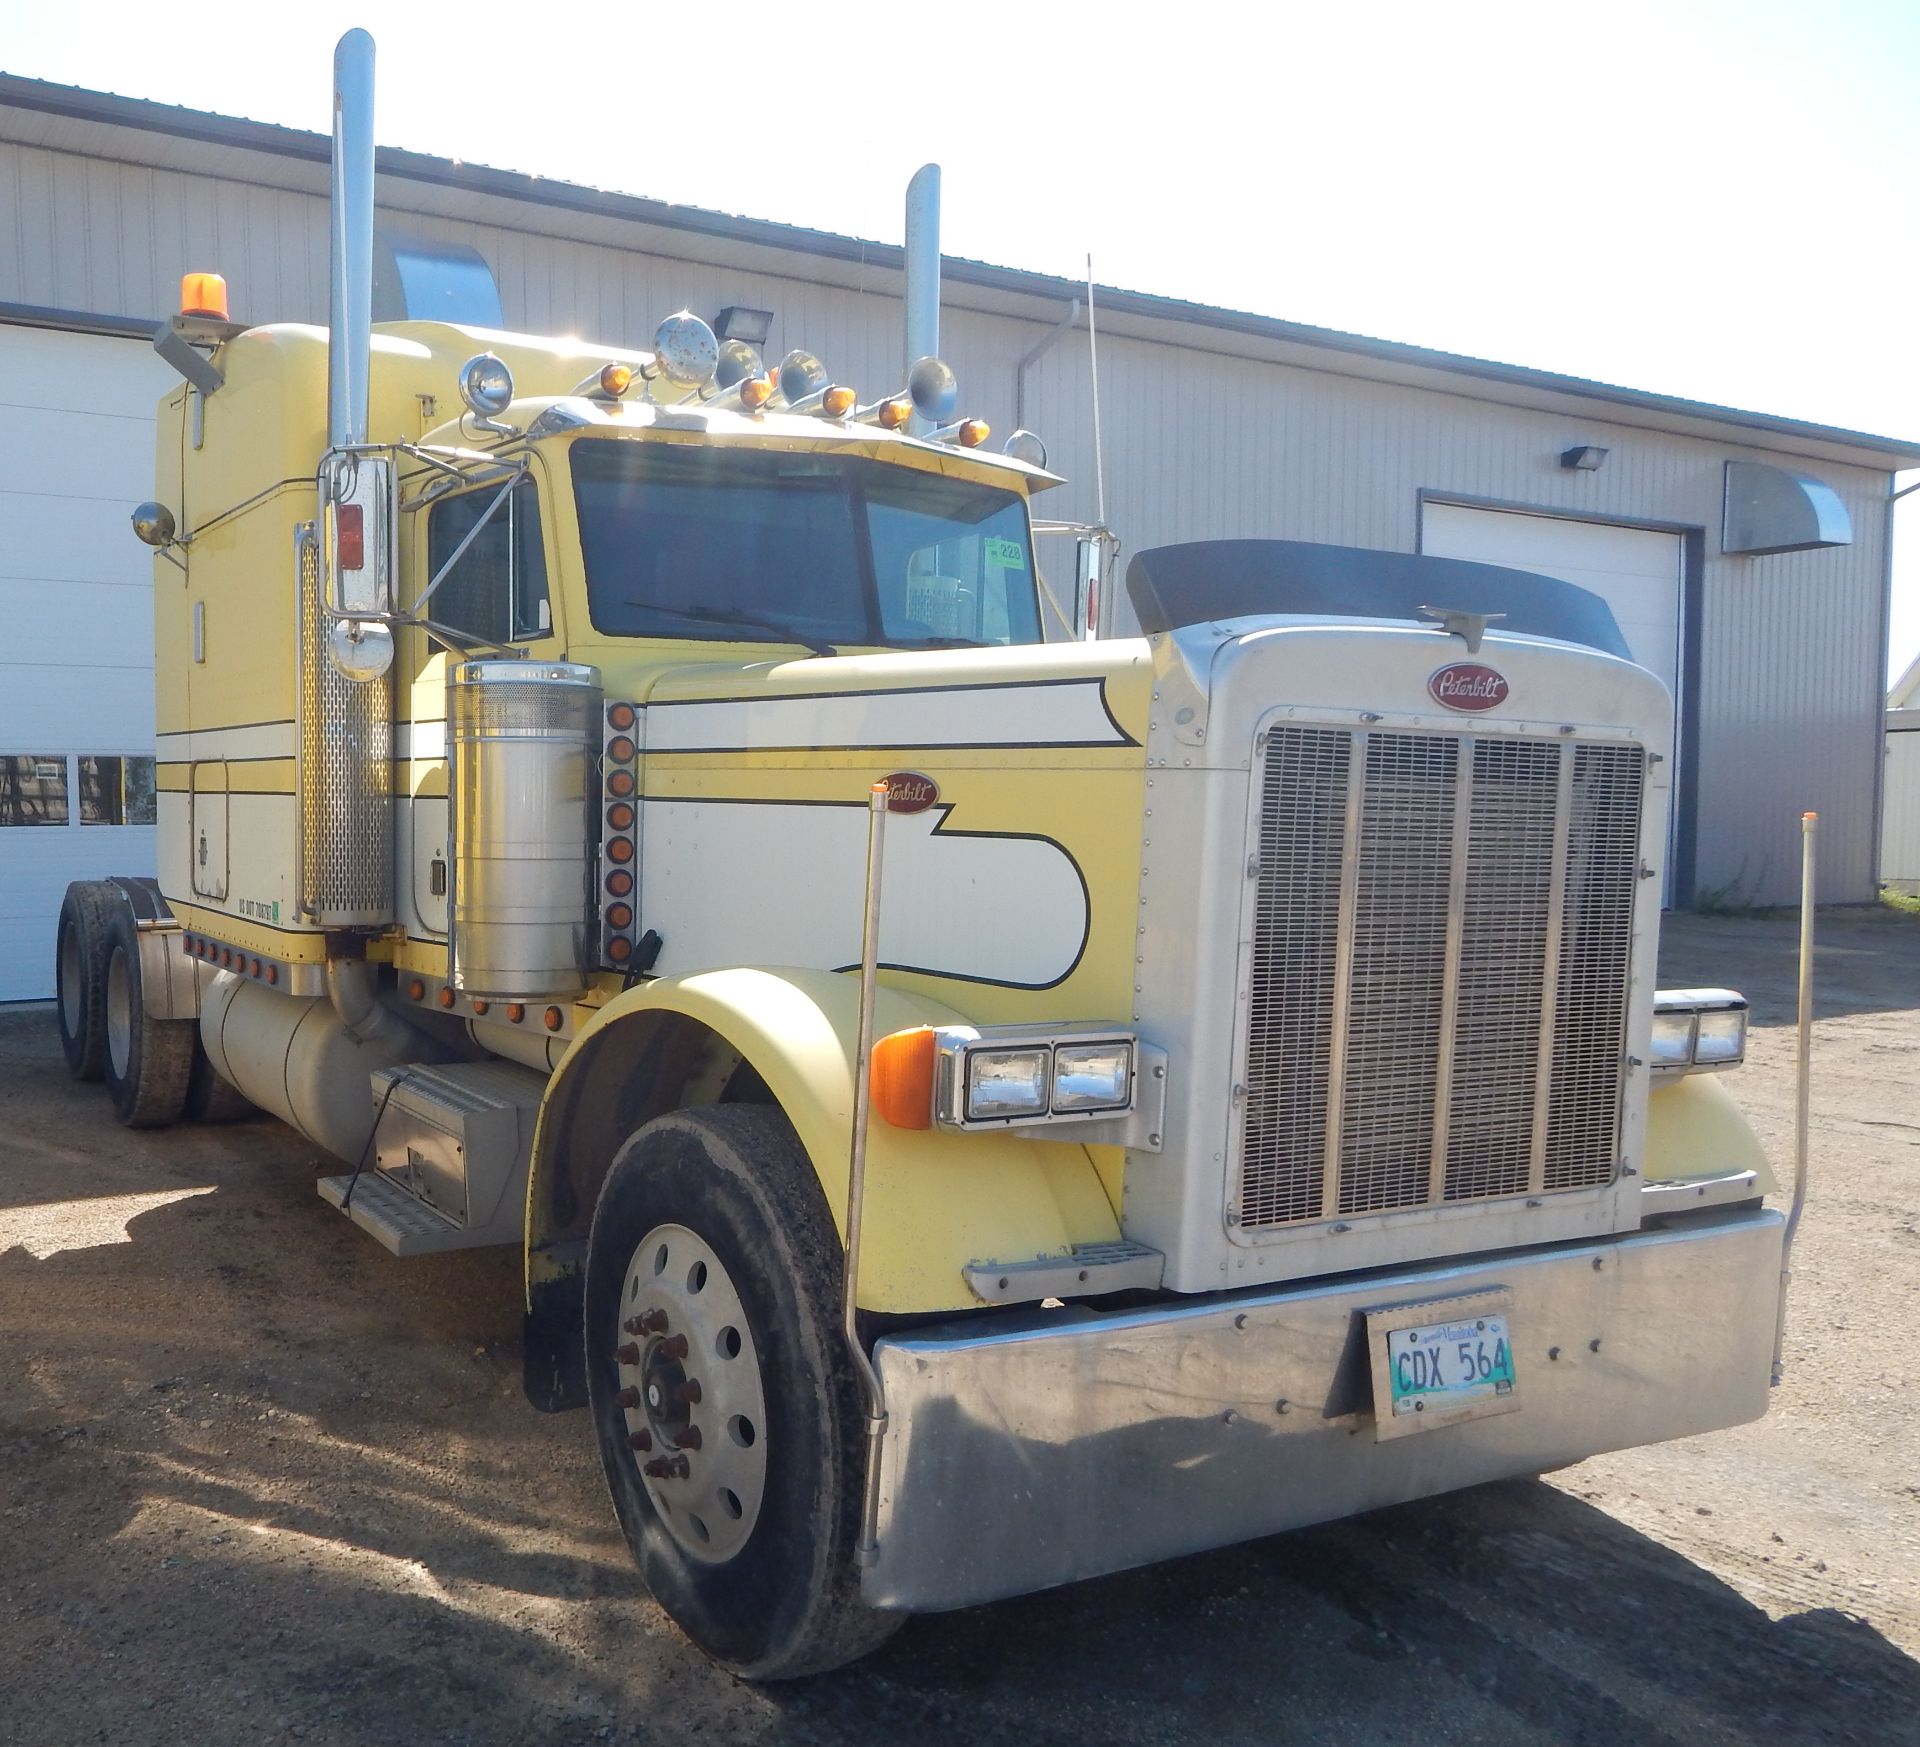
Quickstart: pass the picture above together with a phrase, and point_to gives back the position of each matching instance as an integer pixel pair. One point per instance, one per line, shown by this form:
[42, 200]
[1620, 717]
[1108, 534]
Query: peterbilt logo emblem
[910, 792]
[1467, 685]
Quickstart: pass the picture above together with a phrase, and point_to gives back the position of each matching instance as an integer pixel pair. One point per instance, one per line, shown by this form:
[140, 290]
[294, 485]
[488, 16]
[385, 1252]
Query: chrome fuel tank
[521, 739]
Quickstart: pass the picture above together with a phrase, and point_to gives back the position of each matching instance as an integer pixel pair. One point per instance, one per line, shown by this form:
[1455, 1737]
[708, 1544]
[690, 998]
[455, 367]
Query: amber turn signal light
[900, 1077]
[203, 294]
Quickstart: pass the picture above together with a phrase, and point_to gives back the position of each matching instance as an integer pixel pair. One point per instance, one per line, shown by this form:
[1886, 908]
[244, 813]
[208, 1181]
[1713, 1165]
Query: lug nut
[634, 1326]
[654, 1322]
[689, 1391]
[627, 1400]
[667, 1468]
[629, 1354]
[688, 1439]
[674, 1347]
[640, 1440]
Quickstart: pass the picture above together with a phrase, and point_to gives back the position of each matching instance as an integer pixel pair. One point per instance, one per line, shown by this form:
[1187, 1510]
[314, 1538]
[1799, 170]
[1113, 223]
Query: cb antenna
[1093, 358]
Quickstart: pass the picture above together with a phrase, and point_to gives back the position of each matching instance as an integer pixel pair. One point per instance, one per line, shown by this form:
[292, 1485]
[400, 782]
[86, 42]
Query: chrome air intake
[521, 738]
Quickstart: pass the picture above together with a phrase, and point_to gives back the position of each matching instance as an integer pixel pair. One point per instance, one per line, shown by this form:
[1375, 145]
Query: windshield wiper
[746, 621]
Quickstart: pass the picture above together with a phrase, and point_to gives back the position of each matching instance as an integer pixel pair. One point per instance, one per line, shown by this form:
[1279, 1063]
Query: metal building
[1746, 557]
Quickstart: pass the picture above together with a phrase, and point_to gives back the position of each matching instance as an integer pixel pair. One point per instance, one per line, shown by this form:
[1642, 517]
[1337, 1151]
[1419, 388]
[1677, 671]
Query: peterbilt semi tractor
[983, 1105]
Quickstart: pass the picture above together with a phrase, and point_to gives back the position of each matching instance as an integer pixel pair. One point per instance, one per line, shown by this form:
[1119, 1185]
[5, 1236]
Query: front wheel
[723, 1397]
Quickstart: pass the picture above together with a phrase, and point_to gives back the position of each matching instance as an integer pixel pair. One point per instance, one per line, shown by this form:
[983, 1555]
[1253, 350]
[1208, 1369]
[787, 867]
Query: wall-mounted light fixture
[751, 325]
[1585, 457]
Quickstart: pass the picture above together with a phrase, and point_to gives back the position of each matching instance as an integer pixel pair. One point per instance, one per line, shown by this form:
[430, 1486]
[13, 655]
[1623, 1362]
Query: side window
[116, 791]
[33, 788]
[498, 590]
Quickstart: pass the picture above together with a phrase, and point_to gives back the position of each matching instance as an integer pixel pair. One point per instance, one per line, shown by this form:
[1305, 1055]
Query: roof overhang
[163, 136]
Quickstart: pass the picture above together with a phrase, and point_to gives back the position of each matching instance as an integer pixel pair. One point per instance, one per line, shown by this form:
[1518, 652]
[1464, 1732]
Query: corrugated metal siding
[1198, 444]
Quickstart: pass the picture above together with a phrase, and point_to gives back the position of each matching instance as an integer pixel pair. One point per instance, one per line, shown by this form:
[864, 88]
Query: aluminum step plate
[404, 1224]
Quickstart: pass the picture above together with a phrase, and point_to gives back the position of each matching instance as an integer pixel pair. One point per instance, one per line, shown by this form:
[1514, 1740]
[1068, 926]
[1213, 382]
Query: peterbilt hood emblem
[908, 791]
[1467, 685]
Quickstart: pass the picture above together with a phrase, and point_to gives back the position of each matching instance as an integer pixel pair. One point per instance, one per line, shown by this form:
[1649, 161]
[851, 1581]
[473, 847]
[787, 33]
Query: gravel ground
[263, 1482]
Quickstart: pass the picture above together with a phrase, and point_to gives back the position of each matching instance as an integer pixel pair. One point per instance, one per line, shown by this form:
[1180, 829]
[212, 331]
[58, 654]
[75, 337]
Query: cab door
[495, 597]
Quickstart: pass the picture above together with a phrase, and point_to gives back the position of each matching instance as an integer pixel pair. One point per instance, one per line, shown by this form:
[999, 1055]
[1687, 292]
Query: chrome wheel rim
[70, 980]
[691, 1393]
[119, 1014]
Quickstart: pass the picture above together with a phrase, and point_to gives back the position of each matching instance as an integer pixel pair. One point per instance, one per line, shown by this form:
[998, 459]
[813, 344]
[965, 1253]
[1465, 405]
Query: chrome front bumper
[1028, 1449]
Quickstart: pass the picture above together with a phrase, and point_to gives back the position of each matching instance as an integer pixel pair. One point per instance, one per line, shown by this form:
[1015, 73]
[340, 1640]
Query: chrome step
[1088, 1269]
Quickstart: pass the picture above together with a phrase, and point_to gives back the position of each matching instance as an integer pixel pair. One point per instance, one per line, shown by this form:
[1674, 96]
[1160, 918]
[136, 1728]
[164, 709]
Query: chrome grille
[1441, 935]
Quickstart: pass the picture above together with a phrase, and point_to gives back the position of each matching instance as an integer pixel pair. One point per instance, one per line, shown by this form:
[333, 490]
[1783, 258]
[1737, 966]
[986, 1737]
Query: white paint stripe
[262, 740]
[1069, 714]
[422, 740]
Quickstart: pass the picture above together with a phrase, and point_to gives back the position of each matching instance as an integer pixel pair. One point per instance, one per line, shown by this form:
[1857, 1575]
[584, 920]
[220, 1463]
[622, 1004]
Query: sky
[1709, 198]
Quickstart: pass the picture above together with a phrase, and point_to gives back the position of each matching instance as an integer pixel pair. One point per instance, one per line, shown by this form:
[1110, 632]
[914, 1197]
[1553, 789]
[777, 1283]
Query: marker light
[755, 392]
[203, 294]
[615, 380]
[893, 414]
[900, 1077]
[836, 403]
[973, 432]
[350, 536]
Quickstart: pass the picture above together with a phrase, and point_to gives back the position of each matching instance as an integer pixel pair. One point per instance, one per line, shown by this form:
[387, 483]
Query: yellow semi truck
[980, 1110]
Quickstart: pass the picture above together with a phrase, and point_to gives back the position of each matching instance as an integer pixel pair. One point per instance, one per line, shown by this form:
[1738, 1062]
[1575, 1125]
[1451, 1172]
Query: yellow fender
[1694, 1129]
[935, 1201]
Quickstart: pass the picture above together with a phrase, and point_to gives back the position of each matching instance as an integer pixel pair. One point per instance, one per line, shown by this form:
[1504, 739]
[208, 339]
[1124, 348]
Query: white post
[923, 276]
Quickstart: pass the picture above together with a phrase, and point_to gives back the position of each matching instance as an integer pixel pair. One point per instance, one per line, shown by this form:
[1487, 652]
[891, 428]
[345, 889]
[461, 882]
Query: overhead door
[1638, 572]
[76, 602]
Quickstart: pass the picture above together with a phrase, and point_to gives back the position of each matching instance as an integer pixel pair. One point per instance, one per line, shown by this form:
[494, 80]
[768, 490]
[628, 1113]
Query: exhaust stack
[350, 312]
[923, 277]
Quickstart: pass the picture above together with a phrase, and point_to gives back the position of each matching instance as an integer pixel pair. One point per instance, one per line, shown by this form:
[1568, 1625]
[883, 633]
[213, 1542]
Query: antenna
[1093, 357]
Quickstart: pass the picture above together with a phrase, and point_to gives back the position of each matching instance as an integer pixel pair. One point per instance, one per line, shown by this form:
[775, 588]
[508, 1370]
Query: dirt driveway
[263, 1482]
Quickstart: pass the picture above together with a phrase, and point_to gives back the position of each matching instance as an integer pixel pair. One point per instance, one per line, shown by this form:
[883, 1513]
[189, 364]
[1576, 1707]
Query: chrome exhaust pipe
[350, 310]
[923, 278]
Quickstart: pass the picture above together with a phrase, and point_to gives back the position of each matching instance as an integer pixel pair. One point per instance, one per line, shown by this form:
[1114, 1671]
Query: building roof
[128, 129]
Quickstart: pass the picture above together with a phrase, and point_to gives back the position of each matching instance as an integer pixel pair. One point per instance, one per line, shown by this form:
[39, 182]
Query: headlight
[1721, 1036]
[1004, 1083]
[966, 1076]
[1672, 1039]
[1092, 1076]
[1697, 1029]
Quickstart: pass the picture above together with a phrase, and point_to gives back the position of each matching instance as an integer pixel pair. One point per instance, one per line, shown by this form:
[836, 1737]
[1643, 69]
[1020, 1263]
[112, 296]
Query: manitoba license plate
[1443, 1369]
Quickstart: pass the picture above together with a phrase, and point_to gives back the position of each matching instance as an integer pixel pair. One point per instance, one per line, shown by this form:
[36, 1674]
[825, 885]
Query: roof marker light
[973, 432]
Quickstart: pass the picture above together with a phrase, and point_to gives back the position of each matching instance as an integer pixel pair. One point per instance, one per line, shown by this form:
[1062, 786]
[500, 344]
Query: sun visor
[1172, 586]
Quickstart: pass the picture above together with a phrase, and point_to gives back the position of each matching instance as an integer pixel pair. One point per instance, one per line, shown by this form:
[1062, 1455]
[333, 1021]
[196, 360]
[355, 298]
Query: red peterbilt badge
[910, 792]
[1467, 685]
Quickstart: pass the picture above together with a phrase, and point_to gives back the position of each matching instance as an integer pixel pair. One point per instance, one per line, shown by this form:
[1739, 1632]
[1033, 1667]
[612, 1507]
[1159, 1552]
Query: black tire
[80, 975]
[786, 1603]
[147, 1062]
[210, 1098]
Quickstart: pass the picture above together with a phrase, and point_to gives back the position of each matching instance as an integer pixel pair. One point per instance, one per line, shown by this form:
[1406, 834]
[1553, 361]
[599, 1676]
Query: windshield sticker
[1005, 554]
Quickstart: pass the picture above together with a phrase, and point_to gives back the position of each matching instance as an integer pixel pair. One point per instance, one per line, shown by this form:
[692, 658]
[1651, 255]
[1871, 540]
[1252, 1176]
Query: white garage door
[76, 605]
[1638, 572]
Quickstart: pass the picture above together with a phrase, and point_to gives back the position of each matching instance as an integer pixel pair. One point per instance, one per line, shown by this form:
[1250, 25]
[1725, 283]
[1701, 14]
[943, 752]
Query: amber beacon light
[203, 294]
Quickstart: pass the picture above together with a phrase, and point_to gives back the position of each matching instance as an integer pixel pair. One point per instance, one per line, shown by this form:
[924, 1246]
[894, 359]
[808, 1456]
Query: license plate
[1440, 1369]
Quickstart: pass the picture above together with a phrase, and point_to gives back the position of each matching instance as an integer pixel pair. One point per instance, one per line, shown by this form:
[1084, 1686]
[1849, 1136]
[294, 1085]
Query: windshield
[682, 540]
